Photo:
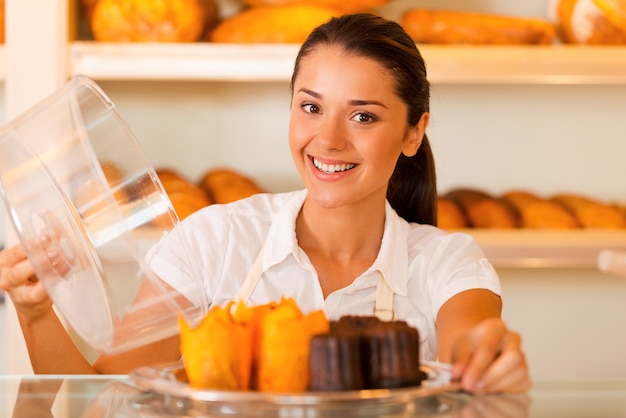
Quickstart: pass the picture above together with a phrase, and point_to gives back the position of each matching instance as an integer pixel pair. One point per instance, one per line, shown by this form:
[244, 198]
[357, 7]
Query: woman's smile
[331, 167]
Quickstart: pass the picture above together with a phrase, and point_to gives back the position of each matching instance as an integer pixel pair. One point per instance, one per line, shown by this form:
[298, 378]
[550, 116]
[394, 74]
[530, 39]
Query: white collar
[392, 260]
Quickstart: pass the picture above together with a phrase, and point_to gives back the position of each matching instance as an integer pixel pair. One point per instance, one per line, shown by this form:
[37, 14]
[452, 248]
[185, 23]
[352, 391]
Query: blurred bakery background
[526, 125]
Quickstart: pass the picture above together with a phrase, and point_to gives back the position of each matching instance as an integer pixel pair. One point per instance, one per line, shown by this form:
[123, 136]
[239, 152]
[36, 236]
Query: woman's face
[348, 127]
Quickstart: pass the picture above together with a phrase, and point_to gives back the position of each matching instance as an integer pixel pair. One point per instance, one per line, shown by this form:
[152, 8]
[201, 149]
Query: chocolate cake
[336, 362]
[363, 352]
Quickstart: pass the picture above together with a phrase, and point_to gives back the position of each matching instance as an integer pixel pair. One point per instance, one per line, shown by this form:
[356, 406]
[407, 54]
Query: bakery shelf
[180, 62]
[525, 248]
[556, 64]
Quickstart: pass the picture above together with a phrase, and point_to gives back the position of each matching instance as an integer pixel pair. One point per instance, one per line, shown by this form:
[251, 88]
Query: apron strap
[384, 300]
[252, 278]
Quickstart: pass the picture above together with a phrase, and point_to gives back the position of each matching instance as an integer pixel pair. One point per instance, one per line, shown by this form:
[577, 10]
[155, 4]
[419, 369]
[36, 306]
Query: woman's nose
[332, 134]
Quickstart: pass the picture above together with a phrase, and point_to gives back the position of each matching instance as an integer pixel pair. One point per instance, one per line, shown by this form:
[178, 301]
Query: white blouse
[423, 265]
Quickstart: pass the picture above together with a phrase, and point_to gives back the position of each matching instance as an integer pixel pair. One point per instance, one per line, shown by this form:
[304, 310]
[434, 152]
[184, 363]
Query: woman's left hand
[489, 358]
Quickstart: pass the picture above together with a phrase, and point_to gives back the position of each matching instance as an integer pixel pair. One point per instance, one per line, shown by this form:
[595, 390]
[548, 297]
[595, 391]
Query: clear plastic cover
[71, 170]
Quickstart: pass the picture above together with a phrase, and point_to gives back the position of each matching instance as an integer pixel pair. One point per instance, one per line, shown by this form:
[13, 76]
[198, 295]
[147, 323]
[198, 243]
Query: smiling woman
[359, 239]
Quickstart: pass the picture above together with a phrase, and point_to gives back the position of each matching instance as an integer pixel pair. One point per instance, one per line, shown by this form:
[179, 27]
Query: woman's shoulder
[265, 204]
[428, 236]
[259, 207]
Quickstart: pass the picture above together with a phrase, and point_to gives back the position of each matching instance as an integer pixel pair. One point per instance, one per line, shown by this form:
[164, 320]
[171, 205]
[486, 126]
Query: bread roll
[539, 213]
[456, 27]
[186, 197]
[615, 11]
[290, 23]
[591, 213]
[450, 215]
[590, 22]
[94, 197]
[150, 21]
[482, 210]
[226, 185]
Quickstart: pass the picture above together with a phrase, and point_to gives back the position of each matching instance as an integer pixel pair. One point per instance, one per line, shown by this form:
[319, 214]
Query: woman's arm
[50, 348]
[486, 356]
[167, 350]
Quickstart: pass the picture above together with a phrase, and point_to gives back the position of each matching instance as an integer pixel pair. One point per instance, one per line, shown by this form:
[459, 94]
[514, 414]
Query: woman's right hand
[18, 280]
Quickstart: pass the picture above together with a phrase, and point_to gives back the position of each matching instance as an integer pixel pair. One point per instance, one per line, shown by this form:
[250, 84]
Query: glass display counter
[118, 396]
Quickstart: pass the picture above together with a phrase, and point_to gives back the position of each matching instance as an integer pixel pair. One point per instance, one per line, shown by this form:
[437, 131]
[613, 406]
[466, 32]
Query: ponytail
[412, 190]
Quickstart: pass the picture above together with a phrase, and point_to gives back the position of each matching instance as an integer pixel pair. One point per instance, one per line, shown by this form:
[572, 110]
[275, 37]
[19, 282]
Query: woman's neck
[341, 233]
[341, 243]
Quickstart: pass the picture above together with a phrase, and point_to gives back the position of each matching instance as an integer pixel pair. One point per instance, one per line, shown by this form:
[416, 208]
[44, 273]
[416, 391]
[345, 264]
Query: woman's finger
[11, 256]
[483, 345]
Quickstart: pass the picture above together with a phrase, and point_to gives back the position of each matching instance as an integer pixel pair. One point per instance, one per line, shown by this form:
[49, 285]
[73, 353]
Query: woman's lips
[331, 168]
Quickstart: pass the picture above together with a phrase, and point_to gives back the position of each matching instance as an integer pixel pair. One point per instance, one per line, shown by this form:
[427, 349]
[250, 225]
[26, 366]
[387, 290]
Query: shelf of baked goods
[522, 229]
[527, 248]
[506, 246]
[450, 64]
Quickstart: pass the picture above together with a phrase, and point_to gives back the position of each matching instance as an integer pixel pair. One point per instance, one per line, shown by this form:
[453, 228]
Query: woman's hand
[18, 280]
[489, 358]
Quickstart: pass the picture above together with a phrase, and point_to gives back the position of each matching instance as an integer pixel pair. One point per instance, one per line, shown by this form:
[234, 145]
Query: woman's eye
[311, 108]
[364, 118]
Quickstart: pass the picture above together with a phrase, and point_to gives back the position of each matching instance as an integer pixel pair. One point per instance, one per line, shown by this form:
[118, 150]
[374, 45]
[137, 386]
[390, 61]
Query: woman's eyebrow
[310, 92]
[366, 103]
[354, 102]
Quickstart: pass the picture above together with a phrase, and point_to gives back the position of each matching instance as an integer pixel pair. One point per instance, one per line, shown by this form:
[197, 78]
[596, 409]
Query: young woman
[359, 239]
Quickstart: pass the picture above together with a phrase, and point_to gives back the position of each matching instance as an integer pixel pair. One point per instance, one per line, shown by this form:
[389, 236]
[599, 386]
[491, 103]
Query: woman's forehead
[328, 64]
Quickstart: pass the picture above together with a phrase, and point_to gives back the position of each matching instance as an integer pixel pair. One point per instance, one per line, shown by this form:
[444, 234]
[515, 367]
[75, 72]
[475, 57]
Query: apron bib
[384, 295]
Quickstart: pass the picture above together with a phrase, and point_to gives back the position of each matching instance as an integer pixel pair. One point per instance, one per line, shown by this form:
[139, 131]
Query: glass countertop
[118, 396]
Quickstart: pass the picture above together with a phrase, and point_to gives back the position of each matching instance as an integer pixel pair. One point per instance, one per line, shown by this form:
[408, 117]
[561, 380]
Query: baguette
[456, 27]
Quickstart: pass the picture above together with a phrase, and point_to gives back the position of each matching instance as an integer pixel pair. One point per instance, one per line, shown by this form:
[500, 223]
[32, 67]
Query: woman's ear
[415, 135]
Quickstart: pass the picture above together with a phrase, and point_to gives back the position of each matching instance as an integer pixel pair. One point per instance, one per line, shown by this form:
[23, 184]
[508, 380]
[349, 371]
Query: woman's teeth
[332, 168]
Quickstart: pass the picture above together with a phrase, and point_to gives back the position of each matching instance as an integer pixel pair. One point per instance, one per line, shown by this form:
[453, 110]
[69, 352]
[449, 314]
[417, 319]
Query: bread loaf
[290, 23]
[591, 213]
[536, 212]
[94, 197]
[344, 6]
[226, 185]
[590, 22]
[450, 215]
[456, 27]
[186, 197]
[482, 210]
[151, 21]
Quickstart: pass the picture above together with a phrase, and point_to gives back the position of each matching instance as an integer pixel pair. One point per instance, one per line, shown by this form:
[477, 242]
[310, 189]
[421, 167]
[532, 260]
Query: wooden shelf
[521, 248]
[558, 64]
[181, 62]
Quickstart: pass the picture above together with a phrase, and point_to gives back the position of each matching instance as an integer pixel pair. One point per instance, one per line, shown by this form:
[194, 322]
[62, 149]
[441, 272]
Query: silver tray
[168, 381]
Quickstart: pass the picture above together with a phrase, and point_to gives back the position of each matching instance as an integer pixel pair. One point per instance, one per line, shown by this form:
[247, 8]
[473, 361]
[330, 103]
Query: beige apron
[384, 295]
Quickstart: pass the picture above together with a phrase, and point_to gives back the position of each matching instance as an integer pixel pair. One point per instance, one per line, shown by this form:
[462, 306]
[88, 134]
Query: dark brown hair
[412, 189]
